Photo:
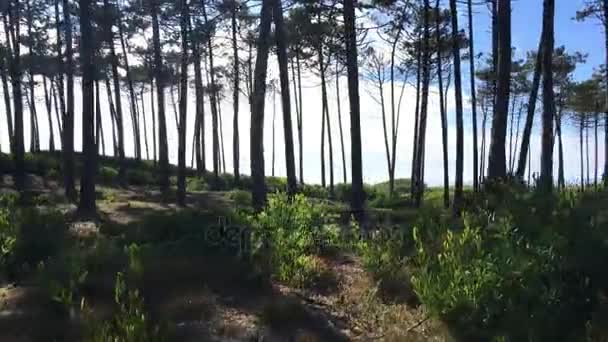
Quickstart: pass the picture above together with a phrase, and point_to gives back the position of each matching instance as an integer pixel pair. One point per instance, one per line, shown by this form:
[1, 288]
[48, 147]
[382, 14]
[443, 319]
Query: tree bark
[546, 168]
[183, 106]
[497, 161]
[235, 97]
[132, 96]
[48, 100]
[68, 121]
[163, 152]
[525, 141]
[258, 189]
[89, 149]
[444, 127]
[473, 97]
[358, 195]
[338, 100]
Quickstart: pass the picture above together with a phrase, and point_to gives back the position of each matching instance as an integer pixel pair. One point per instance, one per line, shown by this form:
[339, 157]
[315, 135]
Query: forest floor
[209, 298]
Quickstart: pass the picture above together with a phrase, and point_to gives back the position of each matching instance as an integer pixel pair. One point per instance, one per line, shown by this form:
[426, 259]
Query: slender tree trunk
[511, 131]
[221, 129]
[235, 97]
[298, 120]
[497, 163]
[329, 135]
[596, 150]
[58, 114]
[112, 115]
[89, 149]
[525, 141]
[587, 155]
[580, 138]
[546, 168]
[48, 100]
[132, 96]
[423, 107]
[35, 133]
[391, 178]
[153, 116]
[413, 181]
[605, 22]
[99, 138]
[7, 97]
[444, 127]
[274, 145]
[517, 130]
[143, 117]
[258, 189]
[163, 151]
[358, 195]
[68, 121]
[473, 96]
[281, 41]
[338, 100]
[60, 62]
[120, 135]
[214, 103]
[458, 193]
[561, 182]
[16, 73]
[323, 104]
[300, 125]
[183, 106]
[387, 149]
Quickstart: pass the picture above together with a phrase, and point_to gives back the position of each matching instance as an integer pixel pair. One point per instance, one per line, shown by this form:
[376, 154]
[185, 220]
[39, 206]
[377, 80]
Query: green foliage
[8, 230]
[241, 198]
[286, 236]
[63, 278]
[528, 269]
[196, 184]
[140, 176]
[314, 191]
[130, 323]
[107, 175]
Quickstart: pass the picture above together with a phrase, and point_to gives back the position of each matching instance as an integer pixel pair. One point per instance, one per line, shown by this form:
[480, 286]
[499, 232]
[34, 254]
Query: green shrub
[286, 236]
[241, 198]
[196, 184]
[140, 176]
[8, 230]
[130, 323]
[107, 175]
[63, 278]
[314, 191]
[275, 184]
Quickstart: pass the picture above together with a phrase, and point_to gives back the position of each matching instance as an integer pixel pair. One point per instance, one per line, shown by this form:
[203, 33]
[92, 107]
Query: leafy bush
[63, 278]
[140, 176]
[195, 184]
[8, 230]
[527, 269]
[241, 198]
[107, 174]
[286, 235]
[130, 323]
[314, 191]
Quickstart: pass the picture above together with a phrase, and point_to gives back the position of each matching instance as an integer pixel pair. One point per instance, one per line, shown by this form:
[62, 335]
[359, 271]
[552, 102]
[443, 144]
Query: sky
[585, 37]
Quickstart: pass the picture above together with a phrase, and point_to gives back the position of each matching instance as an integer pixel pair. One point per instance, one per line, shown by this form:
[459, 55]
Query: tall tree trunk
[120, 135]
[112, 115]
[444, 127]
[561, 181]
[525, 141]
[143, 117]
[413, 181]
[163, 150]
[546, 168]
[581, 144]
[60, 62]
[387, 149]
[16, 75]
[329, 139]
[58, 113]
[99, 138]
[426, 58]
[300, 126]
[132, 96]
[35, 133]
[274, 145]
[183, 106]
[518, 126]
[214, 103]
[338, 100]
[605, 22]
[458, 193]
[391, 178]
[473, 96]
[235, 97]
[68, 121]
[298, 100]
[281, 40]
[587, 155]
[7, 97]
[221, 131]
[497, 167]
[89, 150]
[595, 125]
[323, 117]
[153, 116]
[258, 189]
[48, 100]
[358, 195]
